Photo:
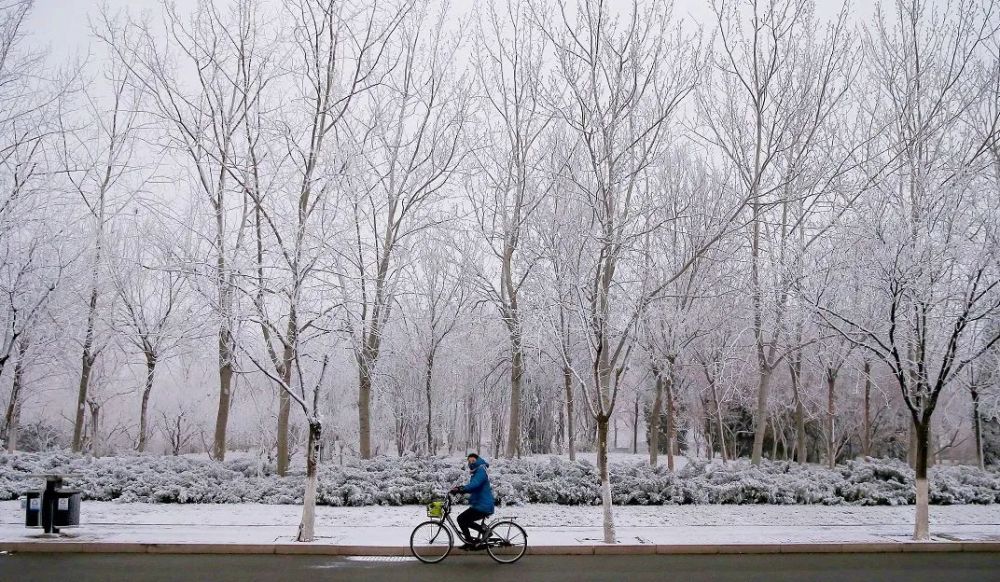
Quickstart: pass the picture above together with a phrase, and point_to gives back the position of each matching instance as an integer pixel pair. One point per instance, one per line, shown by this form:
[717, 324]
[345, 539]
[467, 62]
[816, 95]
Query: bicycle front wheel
[507, 542]
[430, 542]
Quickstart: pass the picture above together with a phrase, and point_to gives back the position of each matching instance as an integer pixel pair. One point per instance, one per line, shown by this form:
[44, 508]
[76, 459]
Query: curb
[74, 547]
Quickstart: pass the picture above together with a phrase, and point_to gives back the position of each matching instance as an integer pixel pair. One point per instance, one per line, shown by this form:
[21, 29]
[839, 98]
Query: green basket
[435, 509]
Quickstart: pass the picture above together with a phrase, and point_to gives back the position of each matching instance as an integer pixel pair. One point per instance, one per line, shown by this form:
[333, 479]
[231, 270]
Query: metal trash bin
[67, 512]
[31, 502]
[54, 507]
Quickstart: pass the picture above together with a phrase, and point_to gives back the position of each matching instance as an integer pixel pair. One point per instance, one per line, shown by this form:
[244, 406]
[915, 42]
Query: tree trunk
[307, 527]
[763, 365]
[364, 408]
[560, 435]
[87, 365]
[775, 431]
[12, 419]
[911, 453]
[284, 412]
[718, 417]
[635, 427]
[399, 435]
[709, 433]
[977, 428]
[430, 410]
[931, 456]
[147, 389]
[654, 417]
[831, 411]
[671, 419]
[760, 418]
[95, 428]
[284, 400]
[866, 436]
[605, 477]
[88, 357]
[516, 372]
[921, 530]
[795, 371]
[225, 395]
[568, 387]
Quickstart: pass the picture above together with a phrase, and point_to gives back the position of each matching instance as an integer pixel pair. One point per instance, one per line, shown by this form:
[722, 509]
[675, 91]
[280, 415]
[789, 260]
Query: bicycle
[432, 540]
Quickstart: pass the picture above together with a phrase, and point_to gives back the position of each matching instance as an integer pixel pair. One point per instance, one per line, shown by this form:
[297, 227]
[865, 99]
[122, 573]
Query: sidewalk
[385, 531]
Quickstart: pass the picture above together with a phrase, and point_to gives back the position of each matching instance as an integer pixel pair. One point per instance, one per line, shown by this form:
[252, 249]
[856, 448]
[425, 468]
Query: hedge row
[412, 480]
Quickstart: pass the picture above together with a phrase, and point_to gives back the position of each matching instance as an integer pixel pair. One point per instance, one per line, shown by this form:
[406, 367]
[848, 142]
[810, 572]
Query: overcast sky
[62, 25]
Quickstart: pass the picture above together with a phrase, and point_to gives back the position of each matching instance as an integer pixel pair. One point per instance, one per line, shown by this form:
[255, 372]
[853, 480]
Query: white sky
[62, 25]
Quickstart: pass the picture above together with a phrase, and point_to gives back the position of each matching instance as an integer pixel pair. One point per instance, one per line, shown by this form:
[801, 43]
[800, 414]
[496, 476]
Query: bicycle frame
[447, 519]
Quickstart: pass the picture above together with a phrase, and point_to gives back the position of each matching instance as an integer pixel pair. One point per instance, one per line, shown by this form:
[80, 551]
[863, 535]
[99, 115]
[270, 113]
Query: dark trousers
[469, 518]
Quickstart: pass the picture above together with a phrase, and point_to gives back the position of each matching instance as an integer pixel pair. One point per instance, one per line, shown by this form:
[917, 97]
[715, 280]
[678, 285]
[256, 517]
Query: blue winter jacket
[478, 488]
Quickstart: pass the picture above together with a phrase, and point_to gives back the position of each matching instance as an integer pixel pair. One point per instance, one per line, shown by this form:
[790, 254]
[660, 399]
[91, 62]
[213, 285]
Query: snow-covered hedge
[410, 480]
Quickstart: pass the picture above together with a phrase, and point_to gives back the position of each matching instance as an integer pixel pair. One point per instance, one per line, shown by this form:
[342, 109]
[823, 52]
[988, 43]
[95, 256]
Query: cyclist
[480, 500]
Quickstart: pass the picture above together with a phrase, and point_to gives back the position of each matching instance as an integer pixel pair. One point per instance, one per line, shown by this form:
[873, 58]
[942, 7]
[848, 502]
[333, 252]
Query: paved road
[917, 567]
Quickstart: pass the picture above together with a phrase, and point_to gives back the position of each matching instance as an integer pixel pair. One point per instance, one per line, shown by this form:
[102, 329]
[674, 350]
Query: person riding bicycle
[480, 500]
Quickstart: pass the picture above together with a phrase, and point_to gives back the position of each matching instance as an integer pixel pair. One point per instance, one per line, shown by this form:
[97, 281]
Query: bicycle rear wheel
[507, 542]
[430, 542]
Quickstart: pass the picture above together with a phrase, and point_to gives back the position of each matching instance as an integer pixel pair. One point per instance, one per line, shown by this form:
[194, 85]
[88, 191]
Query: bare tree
[555, 239]
[202, 123]
[31, 223]
[339, 62]
[779, 85]
[410, 132]
[341, 53]
[509, 182]
[832, 357]
[714, 354]
[178, 429]
[150, 294]
[673, 320]
[97, 158]
[930, 253]
[441, 291]
[624, 77]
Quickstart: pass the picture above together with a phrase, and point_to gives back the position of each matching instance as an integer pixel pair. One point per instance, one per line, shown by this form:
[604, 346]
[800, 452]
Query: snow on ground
[536, 515]
[546, 524]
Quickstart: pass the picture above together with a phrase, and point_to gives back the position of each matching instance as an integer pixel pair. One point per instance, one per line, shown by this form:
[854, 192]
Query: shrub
[412, 480]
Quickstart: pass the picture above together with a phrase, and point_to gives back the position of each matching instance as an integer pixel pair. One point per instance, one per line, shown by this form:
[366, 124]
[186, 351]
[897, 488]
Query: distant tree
[509, 181]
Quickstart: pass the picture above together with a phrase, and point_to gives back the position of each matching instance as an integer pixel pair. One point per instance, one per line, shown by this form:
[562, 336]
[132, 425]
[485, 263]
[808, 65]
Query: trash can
[54, 507]
[31, 501]
[67, 513]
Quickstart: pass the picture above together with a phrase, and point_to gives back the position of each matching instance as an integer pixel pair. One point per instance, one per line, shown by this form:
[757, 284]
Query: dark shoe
[467, 547]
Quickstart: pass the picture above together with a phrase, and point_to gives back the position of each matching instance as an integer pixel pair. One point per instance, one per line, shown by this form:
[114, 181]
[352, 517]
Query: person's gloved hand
[455, 490]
